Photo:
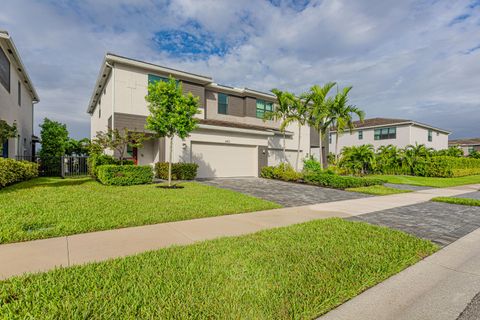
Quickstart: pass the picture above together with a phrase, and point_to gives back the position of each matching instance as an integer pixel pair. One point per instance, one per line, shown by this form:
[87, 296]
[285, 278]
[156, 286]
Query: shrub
[445, 166]
[96, 160]
[125, 175]
[283, 171]
[180, 170]
[311, 164]
[12, 171]
[340, 182]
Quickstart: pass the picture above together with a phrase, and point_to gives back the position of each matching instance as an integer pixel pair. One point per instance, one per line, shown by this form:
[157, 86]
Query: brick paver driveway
[285, 193]
[439, 222]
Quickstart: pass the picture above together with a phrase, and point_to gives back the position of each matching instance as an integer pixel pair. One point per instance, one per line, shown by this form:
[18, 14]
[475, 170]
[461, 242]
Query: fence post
[62, 167]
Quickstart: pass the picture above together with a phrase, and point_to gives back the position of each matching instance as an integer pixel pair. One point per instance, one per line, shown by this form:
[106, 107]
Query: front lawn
[430, 182]
[296, 272]
[48, 207]
[378, 190]
[462, 201]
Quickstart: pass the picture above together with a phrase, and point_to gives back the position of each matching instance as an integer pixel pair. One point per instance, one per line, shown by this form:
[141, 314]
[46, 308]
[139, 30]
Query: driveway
[439, 222]
[287, 194]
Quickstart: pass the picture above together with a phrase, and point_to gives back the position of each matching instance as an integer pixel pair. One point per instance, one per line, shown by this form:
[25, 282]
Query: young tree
[54, 137]
[171, 113]
[340, 115]
[280, 113]
[119, 141]
[6, 132]
[77, 147]
[319, 111]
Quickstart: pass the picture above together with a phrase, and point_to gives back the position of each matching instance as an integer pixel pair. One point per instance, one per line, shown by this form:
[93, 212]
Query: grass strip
[378, 190]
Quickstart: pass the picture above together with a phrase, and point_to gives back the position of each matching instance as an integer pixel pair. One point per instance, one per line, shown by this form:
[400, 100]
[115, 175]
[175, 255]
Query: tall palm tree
[319, 110]
[281, 112]
[299, 113]
[340, 115]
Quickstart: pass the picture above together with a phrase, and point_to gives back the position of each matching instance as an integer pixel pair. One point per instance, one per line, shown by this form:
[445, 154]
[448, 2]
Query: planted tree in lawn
[171, 113]
[54, 137]
[341, 115]
[119, 141]
[281, 112]
[6, 132]
[319, 111]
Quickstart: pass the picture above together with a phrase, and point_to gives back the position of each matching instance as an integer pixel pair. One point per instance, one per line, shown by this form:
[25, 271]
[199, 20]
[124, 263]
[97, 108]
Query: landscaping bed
[378, 190]
[461, 201]
[300, 271]
[48, 207]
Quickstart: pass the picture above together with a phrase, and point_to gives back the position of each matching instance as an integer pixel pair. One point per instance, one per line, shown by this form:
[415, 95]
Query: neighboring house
[17, 97]
[384, 131]
[467, 145]
[232, 140]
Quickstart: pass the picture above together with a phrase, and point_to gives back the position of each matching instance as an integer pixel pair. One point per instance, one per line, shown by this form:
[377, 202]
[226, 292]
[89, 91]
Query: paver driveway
[439, 222]
[287, 194]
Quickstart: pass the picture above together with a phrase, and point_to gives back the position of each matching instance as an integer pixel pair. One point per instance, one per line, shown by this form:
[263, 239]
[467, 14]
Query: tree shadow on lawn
[51, 182]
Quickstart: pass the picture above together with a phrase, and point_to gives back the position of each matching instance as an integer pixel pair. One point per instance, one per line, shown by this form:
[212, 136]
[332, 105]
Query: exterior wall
[275, 146]
[22, 115]
[420, 135]
[99, 121]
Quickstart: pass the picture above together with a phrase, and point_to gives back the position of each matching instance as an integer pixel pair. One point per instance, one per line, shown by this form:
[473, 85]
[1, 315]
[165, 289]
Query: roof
[467, 141]
[382, 122]
[7, 42]
[240, 125]
[207, 81]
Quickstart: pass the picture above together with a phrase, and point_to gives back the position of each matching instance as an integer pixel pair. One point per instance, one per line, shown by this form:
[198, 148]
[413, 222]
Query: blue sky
[407, 59]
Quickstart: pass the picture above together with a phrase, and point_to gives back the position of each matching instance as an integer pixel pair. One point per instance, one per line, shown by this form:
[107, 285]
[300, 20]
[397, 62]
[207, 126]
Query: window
[470, 150]
[222, 103]
[330, 138]
[385, 133]
[4, 70]
[19, 98]
[153, 78]
[262, 107]
[360, 135]
[99, 108]
[430, 133]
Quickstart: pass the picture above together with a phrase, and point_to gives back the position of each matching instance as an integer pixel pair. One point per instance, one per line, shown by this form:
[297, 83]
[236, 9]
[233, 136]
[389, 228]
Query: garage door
[224, 160]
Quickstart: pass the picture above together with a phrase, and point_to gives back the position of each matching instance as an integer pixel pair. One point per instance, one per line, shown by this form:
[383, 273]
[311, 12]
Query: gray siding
[197, 90]
[250, 107]
[314, 138]
[131, 121]
[235, 106]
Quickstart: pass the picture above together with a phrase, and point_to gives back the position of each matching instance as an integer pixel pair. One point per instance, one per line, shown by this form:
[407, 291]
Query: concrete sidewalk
[42, 255]
[437, 288]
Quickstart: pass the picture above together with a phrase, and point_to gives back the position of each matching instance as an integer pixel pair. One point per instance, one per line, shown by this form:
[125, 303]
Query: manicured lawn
[48, 207]
[378, 190]
[462, 201]
[296, 272]
[430, 182]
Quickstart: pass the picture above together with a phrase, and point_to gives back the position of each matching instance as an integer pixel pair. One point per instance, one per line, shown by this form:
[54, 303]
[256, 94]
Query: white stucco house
[232, 140]
[17, 99]
[468, 145]
[385, 131]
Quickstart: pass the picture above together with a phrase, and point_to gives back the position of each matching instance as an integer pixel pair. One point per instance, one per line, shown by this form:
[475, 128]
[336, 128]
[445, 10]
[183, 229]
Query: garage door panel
[224, 160]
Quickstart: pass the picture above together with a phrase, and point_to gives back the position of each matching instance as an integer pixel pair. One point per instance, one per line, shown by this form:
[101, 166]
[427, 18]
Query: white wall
[420, 135]
[99, 122]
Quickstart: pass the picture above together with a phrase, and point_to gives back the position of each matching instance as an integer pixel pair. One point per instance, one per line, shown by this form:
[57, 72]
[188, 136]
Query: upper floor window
[430, 134]
[330, 138]
[222, 103]
[19, 93]
[360, 135]
[262, 107]
[4, 70]
[153, 78]
[385, 133]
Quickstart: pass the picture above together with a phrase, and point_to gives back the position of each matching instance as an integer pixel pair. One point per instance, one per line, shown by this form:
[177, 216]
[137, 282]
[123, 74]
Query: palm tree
[340, 115]
[281, 112]
[413, 155]
[299, 114]
[388, 159]
[319, 110]
[358, 159]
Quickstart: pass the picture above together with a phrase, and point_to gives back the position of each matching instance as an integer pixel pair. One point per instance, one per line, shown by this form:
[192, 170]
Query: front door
[5, 150]
[135, 155]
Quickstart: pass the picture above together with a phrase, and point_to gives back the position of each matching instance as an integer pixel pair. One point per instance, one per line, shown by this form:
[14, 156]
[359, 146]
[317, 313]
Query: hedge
[283, 171]
[125, 175]
[94, 161]
[12, 171]
[339, 182]
[180, 170]
[447, 167]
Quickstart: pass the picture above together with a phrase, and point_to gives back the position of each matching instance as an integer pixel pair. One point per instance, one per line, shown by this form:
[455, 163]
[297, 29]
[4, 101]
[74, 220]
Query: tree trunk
[320, 145]
[336, 146]
[170, 163]
[298, 148]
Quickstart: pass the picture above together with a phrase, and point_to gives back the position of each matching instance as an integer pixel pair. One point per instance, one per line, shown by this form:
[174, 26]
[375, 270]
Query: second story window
[385, 133]
[153, 78]
[19, 94]
[222, 103]
[4, 71]
[360, 135]
[263, 107]
[430, 134]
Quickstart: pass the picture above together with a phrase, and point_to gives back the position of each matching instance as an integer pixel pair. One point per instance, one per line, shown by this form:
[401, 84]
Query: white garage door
[224, 160]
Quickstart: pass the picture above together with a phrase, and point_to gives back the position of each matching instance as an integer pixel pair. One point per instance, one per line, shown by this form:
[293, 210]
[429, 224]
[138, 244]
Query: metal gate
[74, 166]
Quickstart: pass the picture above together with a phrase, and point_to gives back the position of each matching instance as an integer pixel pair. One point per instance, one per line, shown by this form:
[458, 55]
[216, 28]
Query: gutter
[238, 130]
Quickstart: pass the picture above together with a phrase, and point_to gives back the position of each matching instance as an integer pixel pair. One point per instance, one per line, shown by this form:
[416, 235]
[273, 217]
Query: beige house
[232, 140]
[467, 145]
[384, 131]
[17, 97]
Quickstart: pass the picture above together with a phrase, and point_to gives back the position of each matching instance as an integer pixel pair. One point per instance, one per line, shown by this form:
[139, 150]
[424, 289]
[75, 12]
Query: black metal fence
[73, 166]
[66, 166]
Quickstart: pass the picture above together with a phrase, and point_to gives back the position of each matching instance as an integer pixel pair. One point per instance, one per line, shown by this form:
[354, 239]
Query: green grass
[48, 207]
[378, 190]
[296, 272]
[462, 201]
[430, 182]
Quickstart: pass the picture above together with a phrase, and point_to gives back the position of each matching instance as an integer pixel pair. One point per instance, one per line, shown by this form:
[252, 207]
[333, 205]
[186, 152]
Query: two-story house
[17, 98]
[384, 131]
[468, 145]
[232, 139]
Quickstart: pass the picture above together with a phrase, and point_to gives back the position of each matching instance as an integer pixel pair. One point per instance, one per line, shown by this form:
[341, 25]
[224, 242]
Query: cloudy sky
[407, 59]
